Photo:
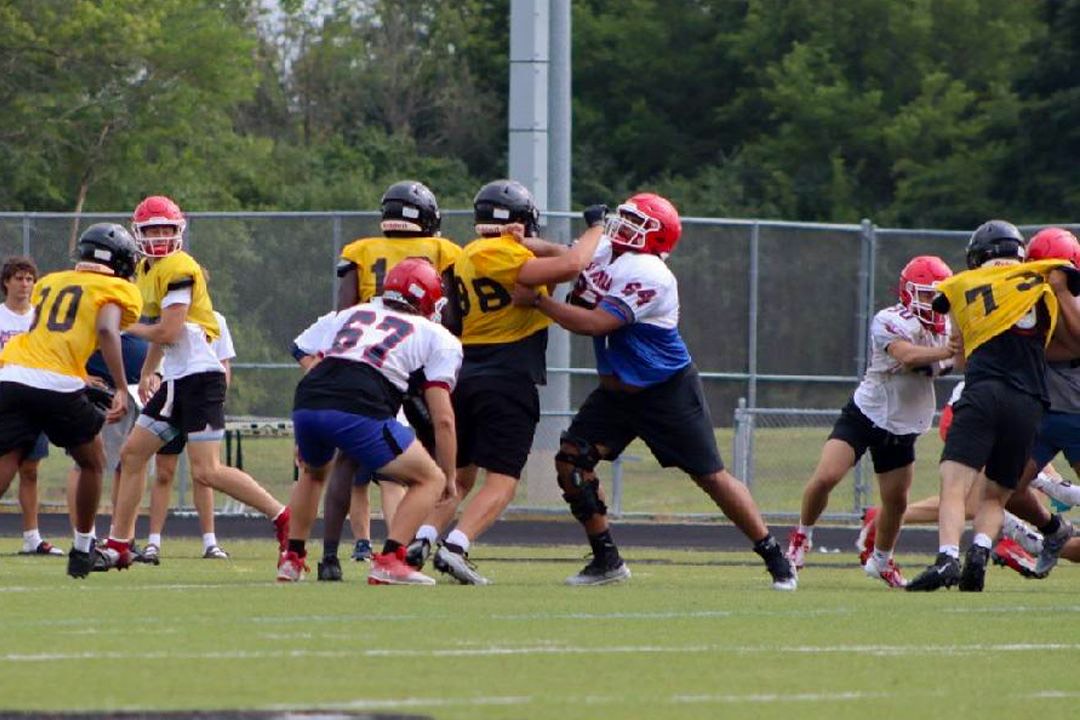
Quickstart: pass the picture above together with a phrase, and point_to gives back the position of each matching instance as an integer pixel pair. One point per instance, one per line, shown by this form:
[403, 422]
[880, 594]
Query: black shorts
[888, 451]
[193, 405]
[69, 419]
[993, 427]
[174, 446]
[496, 419]
[672, 418]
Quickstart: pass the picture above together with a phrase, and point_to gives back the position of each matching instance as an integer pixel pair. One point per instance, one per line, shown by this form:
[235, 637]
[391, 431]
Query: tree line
[922, 113]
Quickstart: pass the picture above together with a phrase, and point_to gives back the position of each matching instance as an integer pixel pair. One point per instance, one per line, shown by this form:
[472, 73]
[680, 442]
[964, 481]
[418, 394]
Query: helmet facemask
[155, 245]
[918, 299]
[628, 227]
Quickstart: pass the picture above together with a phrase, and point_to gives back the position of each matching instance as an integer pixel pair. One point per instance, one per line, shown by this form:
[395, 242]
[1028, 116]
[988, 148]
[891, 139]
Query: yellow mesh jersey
[986, 302]
[64, 332]
[176, 272]
[484, 275]
[375, 256]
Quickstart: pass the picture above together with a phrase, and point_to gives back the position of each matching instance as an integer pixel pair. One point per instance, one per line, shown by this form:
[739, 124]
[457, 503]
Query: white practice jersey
[12, 323]
[895, 399]
[395, 343]
[223, 347]
[192, 352]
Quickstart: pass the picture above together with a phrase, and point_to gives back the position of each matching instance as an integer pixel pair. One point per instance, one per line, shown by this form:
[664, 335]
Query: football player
[189, 398]
[165, 463]
[348, 402]
[16, 313]
[1004, 316]
[893, 405]
[628, 301]
[410, 224]
[43, 379]
[496, 401]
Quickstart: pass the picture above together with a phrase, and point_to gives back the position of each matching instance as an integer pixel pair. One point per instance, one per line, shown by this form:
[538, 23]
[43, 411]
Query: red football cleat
[391, 569]
[798, 546]
[867, 534]
[291, 567]
[1010, 554]
[281, 528]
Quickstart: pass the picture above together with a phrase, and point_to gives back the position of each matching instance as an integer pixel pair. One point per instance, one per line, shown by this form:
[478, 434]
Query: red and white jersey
[12, 323]
[395, 343]
[896, 399]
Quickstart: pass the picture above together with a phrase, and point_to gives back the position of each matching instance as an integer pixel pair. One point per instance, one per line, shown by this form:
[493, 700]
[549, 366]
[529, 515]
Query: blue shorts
[40, 451]
[370, 442]
[1058, 432]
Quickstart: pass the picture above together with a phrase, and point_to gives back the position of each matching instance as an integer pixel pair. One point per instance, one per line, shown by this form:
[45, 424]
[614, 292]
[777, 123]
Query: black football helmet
[994, 239]
[502, 202]
[111, 245]
[410, 208]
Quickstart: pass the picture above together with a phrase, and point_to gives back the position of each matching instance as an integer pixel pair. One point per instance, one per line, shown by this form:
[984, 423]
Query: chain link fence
[775, 313]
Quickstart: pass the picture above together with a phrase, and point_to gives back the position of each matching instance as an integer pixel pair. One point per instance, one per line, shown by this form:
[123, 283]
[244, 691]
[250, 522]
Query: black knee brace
[581, 489]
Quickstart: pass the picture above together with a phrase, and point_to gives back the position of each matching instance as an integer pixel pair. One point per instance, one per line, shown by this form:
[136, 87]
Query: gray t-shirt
[1063, 383]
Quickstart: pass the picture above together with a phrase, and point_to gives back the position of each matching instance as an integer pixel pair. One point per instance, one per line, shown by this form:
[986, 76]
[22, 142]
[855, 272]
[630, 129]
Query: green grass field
[784, 459]
[692, 635]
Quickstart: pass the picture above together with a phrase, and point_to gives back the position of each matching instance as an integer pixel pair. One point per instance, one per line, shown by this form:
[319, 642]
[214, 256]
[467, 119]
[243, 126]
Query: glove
[594, 215]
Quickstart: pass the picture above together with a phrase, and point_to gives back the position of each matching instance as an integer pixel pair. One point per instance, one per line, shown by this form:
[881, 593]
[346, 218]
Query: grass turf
[692, 635]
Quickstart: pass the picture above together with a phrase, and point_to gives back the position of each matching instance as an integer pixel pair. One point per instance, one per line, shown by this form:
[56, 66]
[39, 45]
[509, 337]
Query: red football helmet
[158, 211]
[918, 285]
[645, 223]
[415, 282]
[1054, 243]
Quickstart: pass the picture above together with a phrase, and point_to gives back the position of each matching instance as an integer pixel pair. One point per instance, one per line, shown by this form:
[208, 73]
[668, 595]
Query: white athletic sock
[154, 539]
[31, 539]
[83, 541]
[952, 551]
[209, 540]
[456, 537]
[983, 540]
[807, 530]
[882, 557]
[427, 532]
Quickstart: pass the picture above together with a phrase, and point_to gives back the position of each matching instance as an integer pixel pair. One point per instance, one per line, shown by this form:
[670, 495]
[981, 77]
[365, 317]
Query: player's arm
[545, 270]
[167, 329]
[108, 337]
[603, 319]
[437, 397]
[348, 293]
[914, 356]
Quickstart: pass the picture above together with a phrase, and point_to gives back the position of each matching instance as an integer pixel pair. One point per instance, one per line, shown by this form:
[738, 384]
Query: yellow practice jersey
[176, 272]
[986, 302]
[375, 256]
[64, 332]
[484, 275]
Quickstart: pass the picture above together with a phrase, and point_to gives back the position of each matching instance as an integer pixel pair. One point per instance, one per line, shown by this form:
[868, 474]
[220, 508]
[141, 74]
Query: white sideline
[550, 649]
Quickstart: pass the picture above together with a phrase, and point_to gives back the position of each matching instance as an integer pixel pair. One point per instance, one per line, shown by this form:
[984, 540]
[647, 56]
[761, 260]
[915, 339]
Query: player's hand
[516, 231]
[450, 489]
[99, 383]
[594, 215]
[148, 385]
[954, 346]
[523, 295]
[118, 409]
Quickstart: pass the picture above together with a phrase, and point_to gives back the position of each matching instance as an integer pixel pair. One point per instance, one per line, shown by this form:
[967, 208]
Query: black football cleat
[944, 573]
[80, 563]
[973, 576]
[330, 569]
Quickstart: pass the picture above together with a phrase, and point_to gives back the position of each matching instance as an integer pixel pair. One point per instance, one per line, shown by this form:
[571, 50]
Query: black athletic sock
[767, 547]
[1052, 526]
[330, 548]
[390, 547]
[603, 547]
[297, 546]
